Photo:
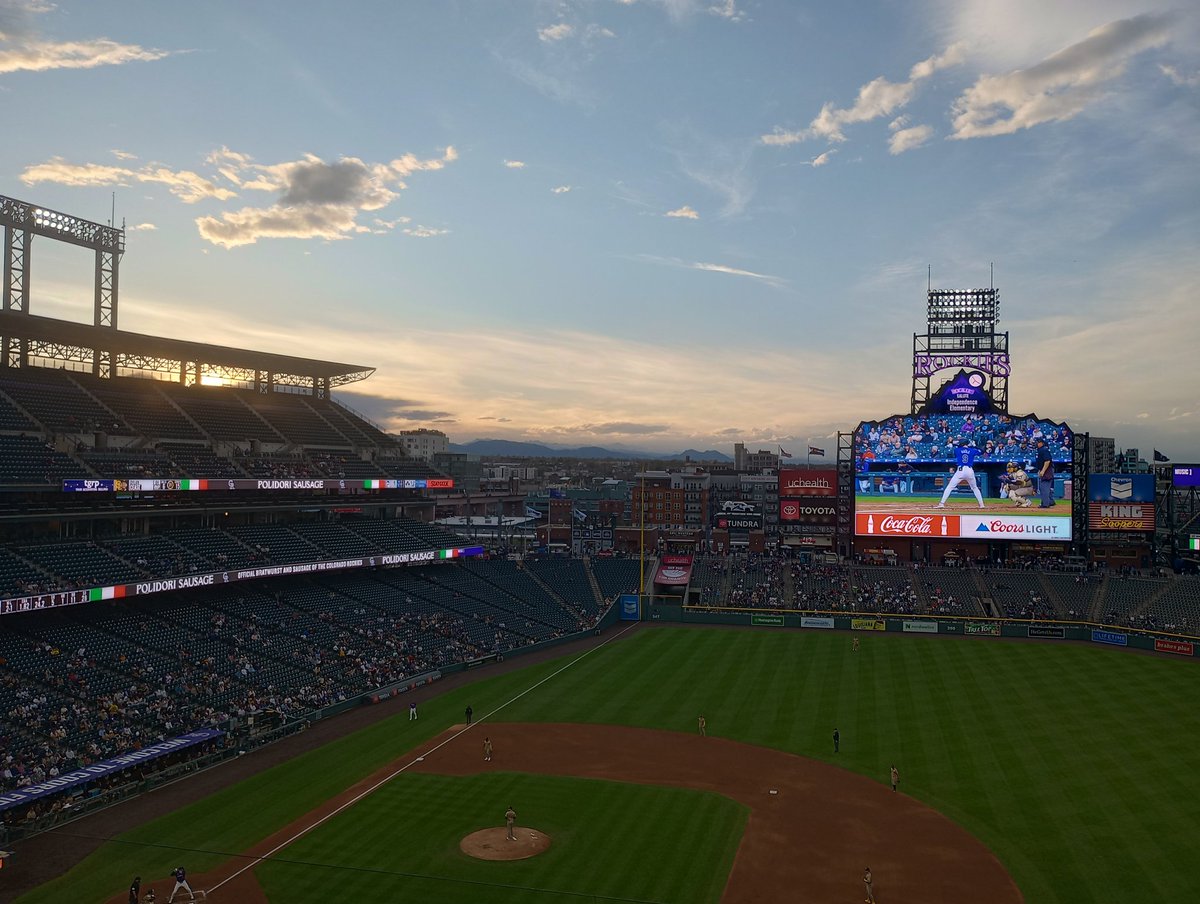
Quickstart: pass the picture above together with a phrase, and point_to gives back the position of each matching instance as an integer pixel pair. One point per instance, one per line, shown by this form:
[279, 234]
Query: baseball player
[702, 724]
[180, 875]
[487, 750]
[895, 777]
[510, 819]
[1020, 486]
[135, 890]
[964, 457]
[869, 882]
[412, 711]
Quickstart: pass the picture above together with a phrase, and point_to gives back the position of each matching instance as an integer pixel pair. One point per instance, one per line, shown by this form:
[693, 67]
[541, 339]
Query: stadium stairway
[1149, 603]
[594, 584]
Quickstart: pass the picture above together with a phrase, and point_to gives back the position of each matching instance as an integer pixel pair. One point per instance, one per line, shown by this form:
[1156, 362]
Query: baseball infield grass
[1074, 764]
[401, 844]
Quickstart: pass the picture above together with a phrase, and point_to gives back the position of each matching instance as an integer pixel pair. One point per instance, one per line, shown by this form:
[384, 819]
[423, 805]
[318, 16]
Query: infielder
[964, 458]
[869, 882]
[510, 819]
[487, 750]
[1020, 486]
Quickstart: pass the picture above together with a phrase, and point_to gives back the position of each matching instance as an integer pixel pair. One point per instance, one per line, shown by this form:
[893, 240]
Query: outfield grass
[622, 842]
[1072, 763]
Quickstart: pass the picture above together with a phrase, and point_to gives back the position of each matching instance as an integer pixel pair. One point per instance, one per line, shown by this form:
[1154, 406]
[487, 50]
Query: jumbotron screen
[966, 476]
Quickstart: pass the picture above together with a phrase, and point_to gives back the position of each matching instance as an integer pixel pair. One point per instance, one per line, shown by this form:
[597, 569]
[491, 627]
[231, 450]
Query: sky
[649, 224]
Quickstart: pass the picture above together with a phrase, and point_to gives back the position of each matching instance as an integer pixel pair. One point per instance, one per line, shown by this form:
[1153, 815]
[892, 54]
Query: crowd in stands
[929, 438]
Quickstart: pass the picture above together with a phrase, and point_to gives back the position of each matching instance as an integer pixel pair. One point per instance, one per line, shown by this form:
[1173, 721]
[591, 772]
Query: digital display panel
[1186, 475]
[190, 484]
[972, 475]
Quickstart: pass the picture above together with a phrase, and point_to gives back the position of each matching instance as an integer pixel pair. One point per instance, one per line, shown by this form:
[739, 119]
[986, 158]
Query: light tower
[961, 333]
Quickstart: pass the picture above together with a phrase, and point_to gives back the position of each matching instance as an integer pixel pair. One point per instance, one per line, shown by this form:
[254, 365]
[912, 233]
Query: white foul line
[387, 778]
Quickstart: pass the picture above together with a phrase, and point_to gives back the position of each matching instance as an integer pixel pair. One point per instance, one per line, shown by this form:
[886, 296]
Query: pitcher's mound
[494, 844]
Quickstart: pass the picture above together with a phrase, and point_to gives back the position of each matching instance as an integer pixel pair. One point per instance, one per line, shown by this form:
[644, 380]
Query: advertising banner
[807, 482]
[1182, 647]
[906, 524]
[868, 624]
[991, 629]
[1125, 516]
[811, 621]
[1052, 631]
[209, 484]
[1121, 488]
[630, 610]
[104, 768]
[142, 588]
[920, 627]
[1114, 637]
[1186, 475]
[774, 621]
[808, 510]
[1015, 527]
[738, 522]
[674, 570]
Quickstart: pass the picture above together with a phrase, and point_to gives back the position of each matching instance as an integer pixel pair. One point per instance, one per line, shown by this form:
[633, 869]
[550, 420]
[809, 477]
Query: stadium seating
[29, 460]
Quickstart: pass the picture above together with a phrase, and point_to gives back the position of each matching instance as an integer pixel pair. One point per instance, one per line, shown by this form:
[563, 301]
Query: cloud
[515, 164]
[123, 155]
[144, 227]
[822, 159]
[555, 32]
[186, 185]
[606, 428]
[877, 98]
[712, 268]
[316, 198]
[23, 49]
[685, 212]
[1183, 81]
[735, 271]
[727, 9]
[39, 56]
[425, 232]
[561, 189]
[1061, 86]
[903, 140]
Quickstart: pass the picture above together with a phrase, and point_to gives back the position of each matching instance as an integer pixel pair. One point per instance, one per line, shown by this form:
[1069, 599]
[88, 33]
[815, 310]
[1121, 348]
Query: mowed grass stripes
[1074, 764]
[622, 842]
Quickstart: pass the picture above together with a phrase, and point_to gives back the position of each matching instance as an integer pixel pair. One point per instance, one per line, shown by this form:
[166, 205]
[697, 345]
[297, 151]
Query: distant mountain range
[506, 448]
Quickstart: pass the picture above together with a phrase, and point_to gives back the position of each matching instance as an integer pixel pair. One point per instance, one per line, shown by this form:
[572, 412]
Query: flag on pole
[813, 450]
[784, 454]
[1158, 456]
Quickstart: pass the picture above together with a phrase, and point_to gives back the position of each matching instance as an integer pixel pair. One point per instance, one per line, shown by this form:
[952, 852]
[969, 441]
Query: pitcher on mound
[964, 457]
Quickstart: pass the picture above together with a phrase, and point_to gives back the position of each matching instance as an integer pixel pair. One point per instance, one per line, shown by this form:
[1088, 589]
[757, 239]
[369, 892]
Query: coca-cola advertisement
[906, 525]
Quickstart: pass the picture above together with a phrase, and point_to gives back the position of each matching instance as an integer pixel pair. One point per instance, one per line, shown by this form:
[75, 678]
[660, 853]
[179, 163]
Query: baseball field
[1073, 765]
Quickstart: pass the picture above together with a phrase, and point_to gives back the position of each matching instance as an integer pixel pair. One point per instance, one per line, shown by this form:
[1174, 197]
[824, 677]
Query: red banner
[674, 570]
[1182, 647]
[806, 482]
[1121, 515]
[905, 525]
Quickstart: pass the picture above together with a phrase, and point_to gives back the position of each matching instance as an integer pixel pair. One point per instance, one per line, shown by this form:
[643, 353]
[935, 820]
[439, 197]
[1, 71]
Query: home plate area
[494, 844]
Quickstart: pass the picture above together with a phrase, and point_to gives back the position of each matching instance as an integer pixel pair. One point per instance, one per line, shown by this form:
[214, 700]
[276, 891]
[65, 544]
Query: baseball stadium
[251, 650]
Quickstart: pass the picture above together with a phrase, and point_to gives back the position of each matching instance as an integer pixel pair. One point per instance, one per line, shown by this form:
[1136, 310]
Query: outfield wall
[1105, 635]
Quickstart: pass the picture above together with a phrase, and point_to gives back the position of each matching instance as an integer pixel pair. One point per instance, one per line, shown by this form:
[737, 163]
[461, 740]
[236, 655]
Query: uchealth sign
[806, 482]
